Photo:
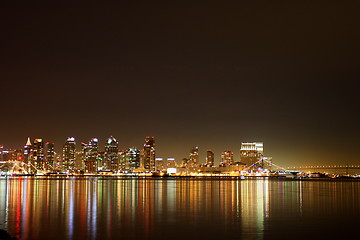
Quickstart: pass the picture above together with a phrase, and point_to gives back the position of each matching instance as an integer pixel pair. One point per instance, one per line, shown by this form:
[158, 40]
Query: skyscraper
[37, 155]
[68, 157]
[193, 157]
[251, 153]
[27, 153]
[159, 165]
[227, 158]
[171, 163]
[91, 156]
[149, 154]
[210, 158]
[123, 164]
[133, 158]
[50, 156]
[111, 155]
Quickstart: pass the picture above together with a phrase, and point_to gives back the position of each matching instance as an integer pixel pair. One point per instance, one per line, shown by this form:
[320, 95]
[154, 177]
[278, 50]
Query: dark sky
[211, 75]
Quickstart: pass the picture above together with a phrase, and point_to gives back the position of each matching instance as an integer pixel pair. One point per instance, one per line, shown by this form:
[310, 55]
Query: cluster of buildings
[39, 157]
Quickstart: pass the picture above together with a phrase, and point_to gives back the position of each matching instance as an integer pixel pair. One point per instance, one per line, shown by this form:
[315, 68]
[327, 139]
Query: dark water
[103, 208]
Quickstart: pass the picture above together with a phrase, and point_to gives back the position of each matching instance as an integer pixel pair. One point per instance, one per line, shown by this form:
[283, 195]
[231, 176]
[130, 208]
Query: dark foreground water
[105, 208]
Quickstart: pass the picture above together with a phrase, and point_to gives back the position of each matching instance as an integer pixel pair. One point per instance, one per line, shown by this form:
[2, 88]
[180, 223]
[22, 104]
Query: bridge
[326, 167]
[331, 168]
[16, 167]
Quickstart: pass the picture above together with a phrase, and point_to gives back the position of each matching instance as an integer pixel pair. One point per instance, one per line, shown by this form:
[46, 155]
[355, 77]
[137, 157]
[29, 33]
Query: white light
[171, 170]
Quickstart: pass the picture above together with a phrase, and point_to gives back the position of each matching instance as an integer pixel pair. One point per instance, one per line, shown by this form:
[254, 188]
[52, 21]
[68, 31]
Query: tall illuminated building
[251, 153]
[210, 160]
[159, 165]
[79, 156]
[227, 158]
[132, 158]
[37, 155]
[123, 166]
[149, 154]
[69, 155]
[50, 156]
[193, 157]
[171, 163]
[27, 152]
[91, 156]
[111, 159]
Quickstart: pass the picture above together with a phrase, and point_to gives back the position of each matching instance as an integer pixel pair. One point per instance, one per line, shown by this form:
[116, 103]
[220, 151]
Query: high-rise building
[111, 161]
[193, 157]
[79, 156]
[133, 158]
[27, 153]
[37, 155]
[210, 160]
[68, 157]
[149, 154]
[227, 158]
[251, 153]
[91, 156]
[50, 156]
[171, 163]
[159, 165]
[123, 166]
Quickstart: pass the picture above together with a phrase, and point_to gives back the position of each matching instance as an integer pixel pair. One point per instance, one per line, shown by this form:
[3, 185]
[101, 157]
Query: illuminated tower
[159, 165]
[251, 153]
[227, 158]
[133, 158]
[149, 154]
[37, 155]
[193, 157]
[209, 158]
[27, 152]
[122, 161]
[171, 163]
[111, 155]
[91, 156]
[50, 156]
[68, 157]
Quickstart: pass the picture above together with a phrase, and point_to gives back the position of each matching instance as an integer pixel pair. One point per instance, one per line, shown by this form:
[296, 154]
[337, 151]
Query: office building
[50, 156]
[68, 157]
[227, 158]
[149, 154]
[37, 156]
[91, 156]
[251, 153]
[111, 159]
[132, 158]
[210, 160]
[193, 157]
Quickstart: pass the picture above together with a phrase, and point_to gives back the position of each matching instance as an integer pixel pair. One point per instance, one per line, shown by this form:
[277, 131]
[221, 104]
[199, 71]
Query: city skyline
[66, 151]
[207, 75]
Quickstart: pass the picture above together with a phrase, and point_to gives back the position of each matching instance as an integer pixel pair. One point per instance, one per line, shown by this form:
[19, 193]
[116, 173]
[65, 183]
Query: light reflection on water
[105, 208]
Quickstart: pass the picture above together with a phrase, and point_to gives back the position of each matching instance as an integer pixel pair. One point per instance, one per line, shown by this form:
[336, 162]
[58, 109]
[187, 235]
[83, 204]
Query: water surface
[186, 208]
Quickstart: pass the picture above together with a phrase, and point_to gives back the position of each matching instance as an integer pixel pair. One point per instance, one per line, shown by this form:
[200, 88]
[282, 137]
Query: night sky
[210, 75]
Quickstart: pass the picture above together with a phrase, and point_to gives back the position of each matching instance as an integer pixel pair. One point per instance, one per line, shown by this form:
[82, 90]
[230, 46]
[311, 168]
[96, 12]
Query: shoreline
[239, 178]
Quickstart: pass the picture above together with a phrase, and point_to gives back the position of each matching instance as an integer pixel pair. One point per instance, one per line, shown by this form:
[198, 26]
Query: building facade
[251, 154]
[193, 158]
[132, 159]
[69, 155]
[149, 154]
[91, 156]
[210, 160]
[227, 158]
[50, 156]
[111, 159]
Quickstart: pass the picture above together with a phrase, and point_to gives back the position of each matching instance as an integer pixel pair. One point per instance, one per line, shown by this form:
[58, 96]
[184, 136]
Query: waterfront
[177, 208]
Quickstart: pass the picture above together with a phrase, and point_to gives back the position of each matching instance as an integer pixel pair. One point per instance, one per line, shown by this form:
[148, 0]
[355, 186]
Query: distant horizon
[166, 153]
